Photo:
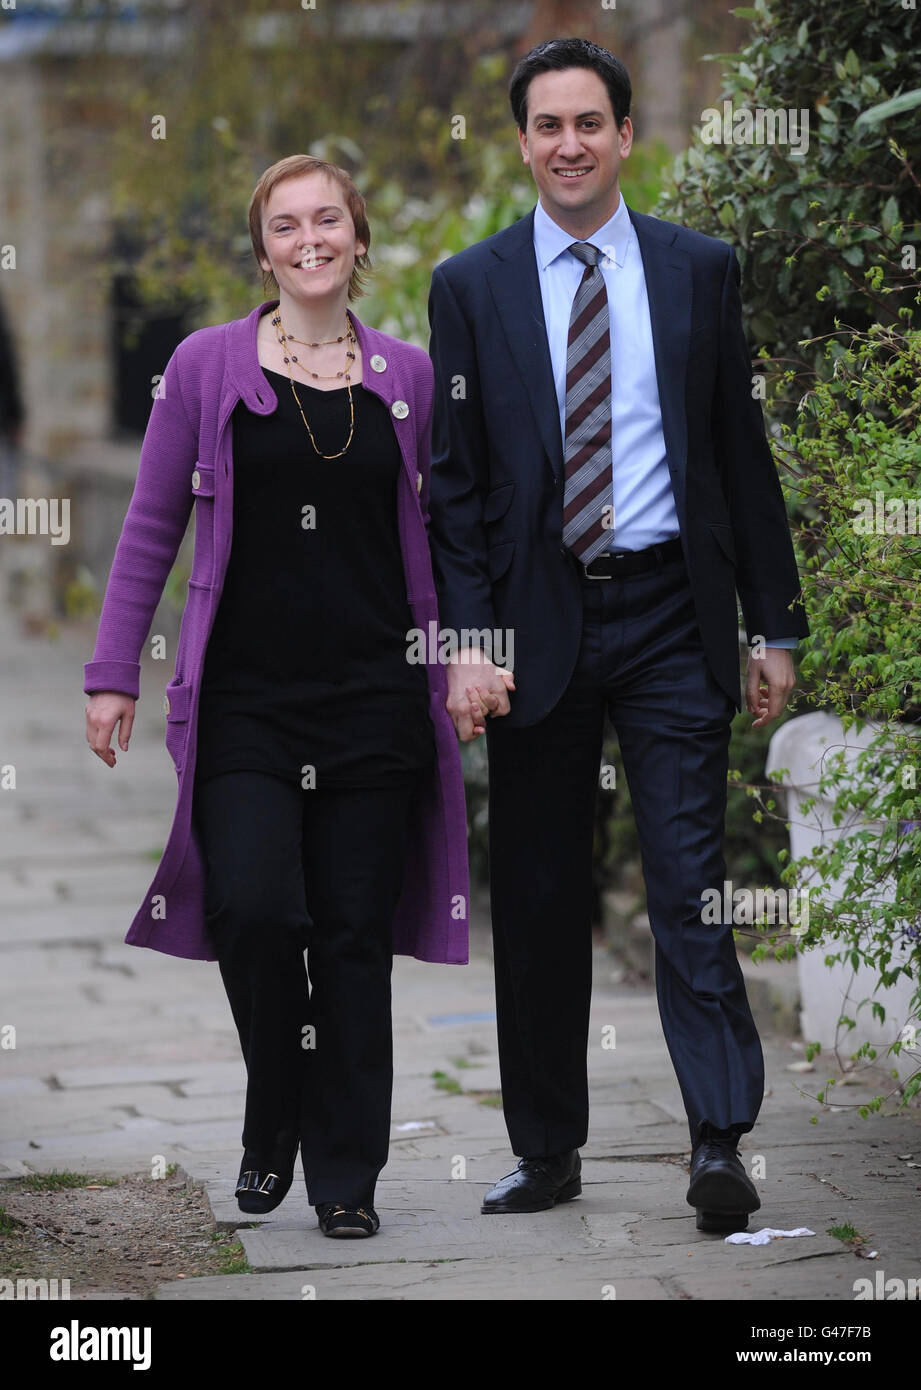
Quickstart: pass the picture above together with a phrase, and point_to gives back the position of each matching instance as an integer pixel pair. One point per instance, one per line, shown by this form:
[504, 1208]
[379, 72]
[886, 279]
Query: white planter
[827, 992]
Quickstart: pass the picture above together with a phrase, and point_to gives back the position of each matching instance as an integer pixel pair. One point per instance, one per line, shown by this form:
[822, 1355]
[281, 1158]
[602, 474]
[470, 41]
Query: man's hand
[106, 709]
[768, 685]
[475, 694]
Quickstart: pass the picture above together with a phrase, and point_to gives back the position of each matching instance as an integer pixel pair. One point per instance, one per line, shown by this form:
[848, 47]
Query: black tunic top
[306, 667]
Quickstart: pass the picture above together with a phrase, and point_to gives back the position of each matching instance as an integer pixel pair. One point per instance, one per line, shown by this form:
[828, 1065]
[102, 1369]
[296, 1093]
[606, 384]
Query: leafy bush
[815, 233]
[829, 237]
[855, 454]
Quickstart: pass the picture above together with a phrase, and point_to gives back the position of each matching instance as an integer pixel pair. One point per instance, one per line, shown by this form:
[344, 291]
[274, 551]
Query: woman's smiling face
[309, 237]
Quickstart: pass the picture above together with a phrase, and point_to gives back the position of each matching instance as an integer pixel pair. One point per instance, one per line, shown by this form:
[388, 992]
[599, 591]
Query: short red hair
[293, 166]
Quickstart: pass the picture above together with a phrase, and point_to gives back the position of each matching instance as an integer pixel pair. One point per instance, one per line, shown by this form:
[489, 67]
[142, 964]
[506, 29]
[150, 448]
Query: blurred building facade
[87, 349]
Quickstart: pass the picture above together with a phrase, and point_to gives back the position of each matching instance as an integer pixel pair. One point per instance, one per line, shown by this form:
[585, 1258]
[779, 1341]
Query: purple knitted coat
[186, 460]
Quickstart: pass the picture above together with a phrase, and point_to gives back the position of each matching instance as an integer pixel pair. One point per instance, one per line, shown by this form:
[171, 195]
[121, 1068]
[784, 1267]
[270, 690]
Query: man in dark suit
[601, 489]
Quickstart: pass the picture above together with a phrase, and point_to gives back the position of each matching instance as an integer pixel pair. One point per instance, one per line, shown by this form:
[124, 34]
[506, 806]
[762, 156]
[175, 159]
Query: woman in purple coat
[320, 801]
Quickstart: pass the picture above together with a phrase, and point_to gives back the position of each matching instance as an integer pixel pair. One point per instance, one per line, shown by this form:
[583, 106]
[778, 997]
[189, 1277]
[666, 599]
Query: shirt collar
[550, 240]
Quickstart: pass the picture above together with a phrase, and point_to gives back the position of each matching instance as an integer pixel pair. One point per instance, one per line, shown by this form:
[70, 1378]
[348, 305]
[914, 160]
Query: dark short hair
[557, 54]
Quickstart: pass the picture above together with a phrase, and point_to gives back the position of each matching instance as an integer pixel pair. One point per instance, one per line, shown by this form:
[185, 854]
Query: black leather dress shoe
[537, 1184]
[720, 1189]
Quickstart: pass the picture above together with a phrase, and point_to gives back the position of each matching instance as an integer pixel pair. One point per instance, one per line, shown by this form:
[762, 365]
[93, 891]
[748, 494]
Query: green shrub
[816, 234]
[855, 452]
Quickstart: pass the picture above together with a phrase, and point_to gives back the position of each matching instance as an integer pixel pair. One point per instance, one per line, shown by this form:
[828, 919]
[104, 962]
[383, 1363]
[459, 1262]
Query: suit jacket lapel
[667, 270]
[515, 289]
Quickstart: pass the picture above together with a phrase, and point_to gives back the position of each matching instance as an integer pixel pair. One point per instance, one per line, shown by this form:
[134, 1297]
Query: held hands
[769, 682]
[473, 695]
[106, 709]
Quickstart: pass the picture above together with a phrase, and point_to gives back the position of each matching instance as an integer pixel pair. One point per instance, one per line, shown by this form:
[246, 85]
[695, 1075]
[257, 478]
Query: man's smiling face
[574, 147]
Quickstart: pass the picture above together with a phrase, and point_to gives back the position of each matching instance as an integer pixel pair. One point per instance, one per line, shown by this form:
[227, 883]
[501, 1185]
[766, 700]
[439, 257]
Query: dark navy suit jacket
[496, 501]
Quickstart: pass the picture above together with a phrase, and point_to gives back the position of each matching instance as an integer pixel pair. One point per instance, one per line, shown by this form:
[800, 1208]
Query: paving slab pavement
[122, 1055]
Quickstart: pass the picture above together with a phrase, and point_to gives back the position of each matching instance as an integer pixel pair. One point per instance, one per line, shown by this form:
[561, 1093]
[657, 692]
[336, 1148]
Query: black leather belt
[613, 564]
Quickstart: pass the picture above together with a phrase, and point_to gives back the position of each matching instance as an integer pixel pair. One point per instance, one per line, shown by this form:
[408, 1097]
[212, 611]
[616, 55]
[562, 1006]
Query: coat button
[196, 480]
[400, 409]
[418, 482]
[378, 363]
[166, 704]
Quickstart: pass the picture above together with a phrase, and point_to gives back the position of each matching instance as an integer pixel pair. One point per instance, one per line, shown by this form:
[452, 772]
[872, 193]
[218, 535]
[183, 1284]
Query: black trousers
[288, 870]
[642, 661]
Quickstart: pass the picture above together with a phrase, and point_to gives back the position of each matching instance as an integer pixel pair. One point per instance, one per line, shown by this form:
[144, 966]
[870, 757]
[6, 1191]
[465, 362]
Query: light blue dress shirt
[641, 488]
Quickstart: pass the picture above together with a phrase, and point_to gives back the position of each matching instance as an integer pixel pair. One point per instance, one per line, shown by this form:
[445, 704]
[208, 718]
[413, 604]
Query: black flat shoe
[537, 1184]
[720, 1189]
[259, 1191]
[334, 1219]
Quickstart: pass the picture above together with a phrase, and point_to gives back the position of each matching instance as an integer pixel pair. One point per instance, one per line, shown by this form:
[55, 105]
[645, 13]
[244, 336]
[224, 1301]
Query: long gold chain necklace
[348, 336]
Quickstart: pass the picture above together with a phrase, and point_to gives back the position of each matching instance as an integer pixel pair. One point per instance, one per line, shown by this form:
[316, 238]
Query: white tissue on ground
[765, 1235]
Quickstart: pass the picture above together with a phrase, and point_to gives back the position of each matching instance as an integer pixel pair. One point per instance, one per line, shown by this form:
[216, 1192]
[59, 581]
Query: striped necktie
[588, 461]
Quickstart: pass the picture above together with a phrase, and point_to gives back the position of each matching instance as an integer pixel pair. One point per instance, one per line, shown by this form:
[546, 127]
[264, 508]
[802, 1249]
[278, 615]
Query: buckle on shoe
[248, 1182]
[339, 1210]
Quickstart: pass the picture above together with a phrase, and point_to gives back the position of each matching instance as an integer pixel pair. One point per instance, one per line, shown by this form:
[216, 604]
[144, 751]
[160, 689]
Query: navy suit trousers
[641, 659]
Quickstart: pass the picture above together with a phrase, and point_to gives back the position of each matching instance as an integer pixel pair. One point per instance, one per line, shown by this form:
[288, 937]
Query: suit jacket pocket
[725, 538]
[498, 501]
[499, 557]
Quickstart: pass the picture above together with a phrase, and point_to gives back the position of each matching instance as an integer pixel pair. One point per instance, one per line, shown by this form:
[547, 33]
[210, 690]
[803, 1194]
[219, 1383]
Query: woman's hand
[476, 690]
[105, 709]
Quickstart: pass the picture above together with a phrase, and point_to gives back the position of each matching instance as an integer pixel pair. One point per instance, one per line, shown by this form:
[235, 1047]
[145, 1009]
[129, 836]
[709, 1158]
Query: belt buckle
[605, 555]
